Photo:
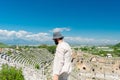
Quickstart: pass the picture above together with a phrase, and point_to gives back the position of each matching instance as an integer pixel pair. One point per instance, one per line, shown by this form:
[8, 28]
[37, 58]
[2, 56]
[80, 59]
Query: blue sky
[98, 20]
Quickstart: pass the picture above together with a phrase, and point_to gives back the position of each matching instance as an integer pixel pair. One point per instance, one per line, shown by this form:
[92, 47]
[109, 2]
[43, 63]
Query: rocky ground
[27, 60]
[85, 66]
[29, 72]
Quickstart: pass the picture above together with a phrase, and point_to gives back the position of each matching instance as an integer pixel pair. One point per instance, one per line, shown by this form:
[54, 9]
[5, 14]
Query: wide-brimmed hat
[57, 35]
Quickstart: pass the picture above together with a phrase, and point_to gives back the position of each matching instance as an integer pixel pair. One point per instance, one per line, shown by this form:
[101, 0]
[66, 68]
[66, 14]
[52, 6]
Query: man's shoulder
[64, 45]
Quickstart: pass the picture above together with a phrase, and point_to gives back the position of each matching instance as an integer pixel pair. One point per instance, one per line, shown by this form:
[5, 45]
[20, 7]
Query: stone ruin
[91, 67]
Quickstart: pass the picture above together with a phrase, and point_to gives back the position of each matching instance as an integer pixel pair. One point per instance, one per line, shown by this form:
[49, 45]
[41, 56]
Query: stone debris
[85, 66]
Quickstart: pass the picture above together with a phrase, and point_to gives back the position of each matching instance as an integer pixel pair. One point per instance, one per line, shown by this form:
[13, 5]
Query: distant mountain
[2, 45]
[24, 42]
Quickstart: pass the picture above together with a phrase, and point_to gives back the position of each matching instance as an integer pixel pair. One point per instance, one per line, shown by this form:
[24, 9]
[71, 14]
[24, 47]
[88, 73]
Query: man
[62, 60]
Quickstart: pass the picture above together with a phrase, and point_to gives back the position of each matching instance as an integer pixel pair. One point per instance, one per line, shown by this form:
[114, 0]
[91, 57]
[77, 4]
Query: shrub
[9, 53]
[10, 73]
[37, 66]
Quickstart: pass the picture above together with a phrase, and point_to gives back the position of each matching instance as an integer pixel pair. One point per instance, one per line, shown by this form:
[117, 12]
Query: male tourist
[62, 60]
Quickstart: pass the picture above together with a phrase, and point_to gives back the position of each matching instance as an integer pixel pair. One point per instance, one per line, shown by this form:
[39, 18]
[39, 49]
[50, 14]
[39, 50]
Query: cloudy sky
[80, 21]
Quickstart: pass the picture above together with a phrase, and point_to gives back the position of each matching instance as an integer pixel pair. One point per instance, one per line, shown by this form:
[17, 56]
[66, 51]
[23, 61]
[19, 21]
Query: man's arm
[58, 62]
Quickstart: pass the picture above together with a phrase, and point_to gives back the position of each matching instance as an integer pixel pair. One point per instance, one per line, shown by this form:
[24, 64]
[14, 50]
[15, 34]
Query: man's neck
[60, 41]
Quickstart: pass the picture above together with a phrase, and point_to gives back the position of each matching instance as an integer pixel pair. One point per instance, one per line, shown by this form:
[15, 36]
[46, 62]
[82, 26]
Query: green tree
[10, 73]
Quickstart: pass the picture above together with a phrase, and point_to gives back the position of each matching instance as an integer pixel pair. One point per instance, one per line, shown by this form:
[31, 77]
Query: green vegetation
[9, 53]
[114, 50]
[49, 48]
[2, 45]
[117, 49]
[37, 66]
[85, 48]
[10, 73]
[117, 45]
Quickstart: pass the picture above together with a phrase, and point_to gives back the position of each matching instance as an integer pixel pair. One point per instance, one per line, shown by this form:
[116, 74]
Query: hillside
[117, 45]
[2, 45]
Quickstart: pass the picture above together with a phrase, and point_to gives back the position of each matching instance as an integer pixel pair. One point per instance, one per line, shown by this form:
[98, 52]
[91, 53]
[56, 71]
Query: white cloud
[39, 37]
[24, 36]
[60, 29]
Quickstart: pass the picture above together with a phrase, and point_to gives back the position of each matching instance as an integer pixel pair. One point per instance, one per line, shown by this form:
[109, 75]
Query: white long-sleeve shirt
[62, 59]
